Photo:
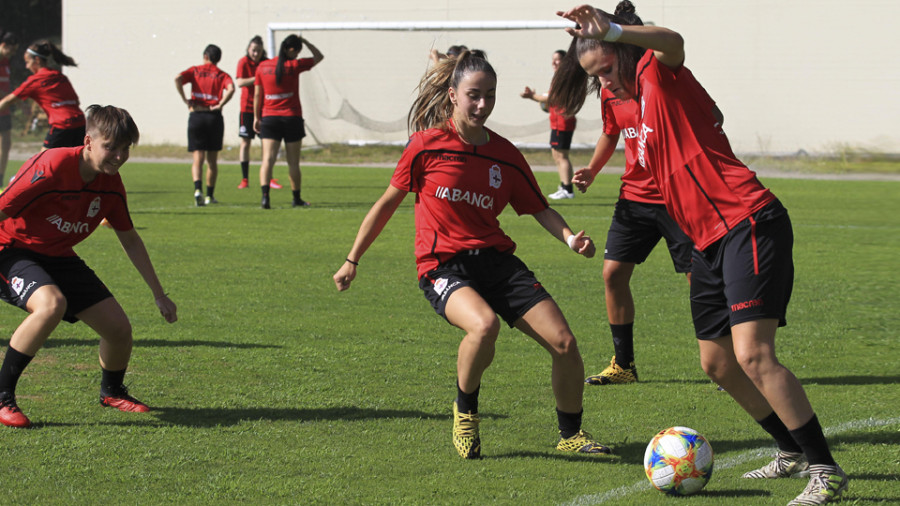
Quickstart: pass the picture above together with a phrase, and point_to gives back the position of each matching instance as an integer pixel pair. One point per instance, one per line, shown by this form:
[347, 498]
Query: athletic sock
[265, 190]
[567, 187]
[198, 185]
[811, 438]
[569, 423]
[623, 343]
[296, 194]
[776, 428]
[245, 170]
[110, 380]
[14, 364]
[467, 403]
[210, 190]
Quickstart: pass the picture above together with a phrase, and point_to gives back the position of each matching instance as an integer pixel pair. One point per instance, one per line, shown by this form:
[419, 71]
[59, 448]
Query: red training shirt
[54, 93]
[460, 190]
[207, 83]
[560, 122]
[282, 99]
[246, 67]
[706, 188]
[50, 208]
[621, 117]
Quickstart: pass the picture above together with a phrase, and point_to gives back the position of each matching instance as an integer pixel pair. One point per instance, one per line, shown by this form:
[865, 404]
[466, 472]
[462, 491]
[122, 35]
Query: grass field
[273, 388]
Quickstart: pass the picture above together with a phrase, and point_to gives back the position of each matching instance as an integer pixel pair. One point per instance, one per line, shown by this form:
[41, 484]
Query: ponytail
[46, 50]
[290, 42]
[432, 107]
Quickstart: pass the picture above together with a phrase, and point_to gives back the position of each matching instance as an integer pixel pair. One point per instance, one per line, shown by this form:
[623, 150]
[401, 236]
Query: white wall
[807, 74]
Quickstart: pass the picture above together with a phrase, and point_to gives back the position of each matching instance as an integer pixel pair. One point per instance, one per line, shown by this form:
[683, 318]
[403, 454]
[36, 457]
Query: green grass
[273, 388]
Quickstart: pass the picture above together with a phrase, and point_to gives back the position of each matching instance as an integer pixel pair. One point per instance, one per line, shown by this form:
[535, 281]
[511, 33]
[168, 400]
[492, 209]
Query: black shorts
[246, 129]
[287, 128]
[747, 275]
[25, 271]
[6, 123]
[501, 279]
[205, 131]
[636, 228]
[64, 137]
[561, 140]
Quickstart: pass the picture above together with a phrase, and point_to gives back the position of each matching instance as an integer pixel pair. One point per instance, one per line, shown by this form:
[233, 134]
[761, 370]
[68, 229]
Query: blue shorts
[501, 279]
[637, 227]
[745, 276]
[25, 271]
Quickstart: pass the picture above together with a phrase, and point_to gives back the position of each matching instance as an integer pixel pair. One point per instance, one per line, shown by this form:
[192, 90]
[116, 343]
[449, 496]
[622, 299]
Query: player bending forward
[57, 199]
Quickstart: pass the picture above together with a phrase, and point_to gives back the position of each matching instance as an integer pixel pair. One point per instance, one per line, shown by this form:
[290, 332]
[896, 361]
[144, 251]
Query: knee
[614, 276]
[716, 370]
[48, 303]
[755, 364]
[565, 346]
[485, 330]
[118, 331]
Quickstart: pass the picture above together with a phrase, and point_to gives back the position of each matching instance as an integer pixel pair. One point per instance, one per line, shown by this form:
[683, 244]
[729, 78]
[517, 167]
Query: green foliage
[273, 388]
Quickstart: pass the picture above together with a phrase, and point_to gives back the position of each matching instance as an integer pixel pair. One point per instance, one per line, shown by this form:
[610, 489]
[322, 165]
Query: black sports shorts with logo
[637, 227]
[745, 276]
[501, 279]
[24, 271]
[246, 130]
[561, 140]
[64, 137]
[205, 131]
[288, 128]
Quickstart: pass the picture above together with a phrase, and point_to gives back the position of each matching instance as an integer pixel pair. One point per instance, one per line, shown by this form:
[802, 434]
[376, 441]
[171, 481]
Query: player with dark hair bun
[742, 269]
[53, 92]
[464, 175]
[58, 198]
[244, 78]
[211, 89]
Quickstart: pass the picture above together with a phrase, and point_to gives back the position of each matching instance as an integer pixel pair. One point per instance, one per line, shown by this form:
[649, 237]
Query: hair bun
[625, 7]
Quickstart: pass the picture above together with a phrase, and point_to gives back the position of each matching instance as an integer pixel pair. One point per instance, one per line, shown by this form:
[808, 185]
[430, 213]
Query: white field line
[741, 458]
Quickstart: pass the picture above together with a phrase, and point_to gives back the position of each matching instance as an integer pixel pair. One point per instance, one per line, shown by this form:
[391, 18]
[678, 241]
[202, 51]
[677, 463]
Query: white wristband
[614, 32]
[570, 241]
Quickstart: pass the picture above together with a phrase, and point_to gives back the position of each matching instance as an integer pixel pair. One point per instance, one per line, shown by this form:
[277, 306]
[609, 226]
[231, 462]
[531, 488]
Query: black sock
[210, 190]
[467, 403]
[296, 194]
[111, 380]
[245, 170]
[567, 187]
[569, 423]
[13, 365]
[623, 343]
[811, 438]
[776, 428]
[265, 190]
[198, 185]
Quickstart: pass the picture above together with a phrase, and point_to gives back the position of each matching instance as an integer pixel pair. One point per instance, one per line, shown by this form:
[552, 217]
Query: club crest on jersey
[440, 285]
[38, 175]
[495, 177]
[94, 208]
[16, 283]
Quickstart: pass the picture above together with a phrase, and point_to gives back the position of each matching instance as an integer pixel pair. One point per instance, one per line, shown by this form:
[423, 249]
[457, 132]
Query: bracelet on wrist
[352, 262]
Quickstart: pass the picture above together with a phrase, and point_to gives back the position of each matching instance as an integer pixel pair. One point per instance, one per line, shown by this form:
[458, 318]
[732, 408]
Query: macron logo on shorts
[747, 304]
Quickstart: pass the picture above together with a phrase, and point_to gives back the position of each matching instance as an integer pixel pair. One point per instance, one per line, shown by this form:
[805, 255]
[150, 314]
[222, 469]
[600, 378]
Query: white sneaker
[211, 200]
[198, 199]
[561, 194]
[826, 484]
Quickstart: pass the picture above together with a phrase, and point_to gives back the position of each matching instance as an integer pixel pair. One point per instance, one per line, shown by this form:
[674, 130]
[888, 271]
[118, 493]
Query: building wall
[813, 75]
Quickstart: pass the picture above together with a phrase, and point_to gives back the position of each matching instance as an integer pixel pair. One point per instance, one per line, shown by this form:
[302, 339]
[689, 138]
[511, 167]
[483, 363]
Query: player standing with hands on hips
[463, 176]
[57, 199]
[211, 89]
[742, 272]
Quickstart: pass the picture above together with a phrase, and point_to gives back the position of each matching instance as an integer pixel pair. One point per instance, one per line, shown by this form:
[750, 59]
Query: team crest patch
[440, 285]
[94, 208]
[495, 177]
[17, 283]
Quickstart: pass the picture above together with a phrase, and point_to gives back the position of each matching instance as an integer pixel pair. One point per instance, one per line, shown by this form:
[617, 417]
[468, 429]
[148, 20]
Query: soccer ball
[678, 461]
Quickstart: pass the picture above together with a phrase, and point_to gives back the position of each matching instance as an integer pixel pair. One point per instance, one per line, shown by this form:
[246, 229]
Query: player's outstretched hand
[592, 23]
[582, 179]
[583, 245]
[344, 276]
[528, 93]
[167, 309]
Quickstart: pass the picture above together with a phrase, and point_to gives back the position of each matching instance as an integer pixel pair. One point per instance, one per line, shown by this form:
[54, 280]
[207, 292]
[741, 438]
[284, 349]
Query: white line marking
[725, 463]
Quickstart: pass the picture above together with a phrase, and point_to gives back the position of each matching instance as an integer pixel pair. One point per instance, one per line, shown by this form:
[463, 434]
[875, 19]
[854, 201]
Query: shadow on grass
[836, 380]
[732, 493]
[600, 458]
[213, 417]
[158, 343]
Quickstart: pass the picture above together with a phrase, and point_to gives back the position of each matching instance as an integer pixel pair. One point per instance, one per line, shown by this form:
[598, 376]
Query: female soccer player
[562, 128]
[638, 223]
[56, 200]
[278, 114]
[463, 175]
[211, 89]
[9, 42]
[244, 78]
[53, 92]
[742, 272]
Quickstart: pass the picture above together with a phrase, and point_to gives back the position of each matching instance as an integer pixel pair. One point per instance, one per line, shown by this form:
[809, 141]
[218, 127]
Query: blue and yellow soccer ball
[679, 461]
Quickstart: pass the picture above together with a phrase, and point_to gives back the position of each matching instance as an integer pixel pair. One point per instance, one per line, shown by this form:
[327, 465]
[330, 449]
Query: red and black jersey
[560, 122]
[707, 190]
[460, 190]
[207, 83]
[282, 99]
[246, 67]
[4, 82]
[50, 208]
[620, 117]
[54, 93]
